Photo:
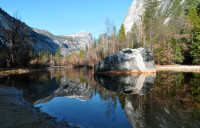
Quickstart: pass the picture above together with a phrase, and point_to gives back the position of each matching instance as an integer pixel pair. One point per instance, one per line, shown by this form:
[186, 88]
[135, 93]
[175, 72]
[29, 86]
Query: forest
[176, 41]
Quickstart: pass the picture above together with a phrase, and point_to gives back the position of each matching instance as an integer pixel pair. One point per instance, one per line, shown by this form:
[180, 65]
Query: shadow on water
[143, 101]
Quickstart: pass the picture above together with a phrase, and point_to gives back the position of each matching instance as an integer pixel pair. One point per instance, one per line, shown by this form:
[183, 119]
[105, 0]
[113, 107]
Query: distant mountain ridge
[44, 40]
[69, 43]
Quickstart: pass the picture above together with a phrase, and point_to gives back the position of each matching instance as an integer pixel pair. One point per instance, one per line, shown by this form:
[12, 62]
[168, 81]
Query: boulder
[127, 61]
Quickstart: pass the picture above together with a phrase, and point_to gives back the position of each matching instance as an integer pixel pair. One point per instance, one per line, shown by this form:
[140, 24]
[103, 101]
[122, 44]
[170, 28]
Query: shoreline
[175, 68]
[22, 113]
[178, 68]
[18, 71]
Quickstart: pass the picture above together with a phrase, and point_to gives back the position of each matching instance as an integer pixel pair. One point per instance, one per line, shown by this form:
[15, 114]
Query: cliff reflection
[70, 84]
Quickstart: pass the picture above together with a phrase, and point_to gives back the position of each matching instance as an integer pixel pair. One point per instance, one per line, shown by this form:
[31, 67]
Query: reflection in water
[130, 84]
[169, 100]
[69, 89]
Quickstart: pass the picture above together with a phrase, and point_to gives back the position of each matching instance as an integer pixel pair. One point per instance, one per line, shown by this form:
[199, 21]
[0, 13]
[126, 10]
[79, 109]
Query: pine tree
[195, 47]
[58, 57]
[86, 47]
[195, 52]
[149, 19]
[81, 54]
[134, 36]
[122, 36]
[41, 54]
[48, 56]
[193, 16]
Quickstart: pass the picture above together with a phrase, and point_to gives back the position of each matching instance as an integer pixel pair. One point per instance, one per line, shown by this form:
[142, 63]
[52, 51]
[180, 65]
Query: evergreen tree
[86, 47]
[195, 52]
[149, 20]
[81, 54]
[41, 54]
[193, 16]
[134, 36]
[122, 35]
[58, 57]
[177, 51]
[48, 56]
[195, 47]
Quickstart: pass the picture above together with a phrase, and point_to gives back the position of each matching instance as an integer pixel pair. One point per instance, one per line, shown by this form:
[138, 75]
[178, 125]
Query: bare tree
[17, 39]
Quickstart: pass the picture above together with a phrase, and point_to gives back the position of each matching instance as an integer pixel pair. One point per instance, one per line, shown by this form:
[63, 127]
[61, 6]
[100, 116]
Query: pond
[82, 98]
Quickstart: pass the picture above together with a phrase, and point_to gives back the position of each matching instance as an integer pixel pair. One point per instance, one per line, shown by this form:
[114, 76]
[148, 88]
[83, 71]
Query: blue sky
[62, 17]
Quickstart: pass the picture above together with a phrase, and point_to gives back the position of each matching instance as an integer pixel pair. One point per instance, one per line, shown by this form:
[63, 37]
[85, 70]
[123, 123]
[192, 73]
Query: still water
[78, 96]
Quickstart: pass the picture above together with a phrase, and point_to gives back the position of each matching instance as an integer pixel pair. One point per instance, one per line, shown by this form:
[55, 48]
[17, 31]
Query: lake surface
[78, 96]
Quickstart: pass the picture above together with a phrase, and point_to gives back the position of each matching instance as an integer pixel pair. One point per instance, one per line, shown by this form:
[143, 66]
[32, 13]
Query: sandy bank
[178, 68]
[16, 113]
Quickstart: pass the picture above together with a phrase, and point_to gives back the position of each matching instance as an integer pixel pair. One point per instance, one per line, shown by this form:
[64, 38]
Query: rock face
[127, 61]
[134, 14]
[44, 40]
[128, 84]
[136, 11]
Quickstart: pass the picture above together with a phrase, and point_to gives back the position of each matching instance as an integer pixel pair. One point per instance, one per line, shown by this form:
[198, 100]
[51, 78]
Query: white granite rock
[127, 60]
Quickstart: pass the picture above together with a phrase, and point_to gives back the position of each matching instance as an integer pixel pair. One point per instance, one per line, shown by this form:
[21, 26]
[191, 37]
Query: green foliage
[191, 3]
[134, 36]
[121, 37]
[48, 56]
[58, 76]
[195, 47]
[193, 16]
[121, 34]
[41, 54]
[149, 22]
[178, 51]
[86, 47]
[195, 82]
[150, 12]
[58, 57]
[195, 52]
[44, 56]
[176, 41]
[81, 54]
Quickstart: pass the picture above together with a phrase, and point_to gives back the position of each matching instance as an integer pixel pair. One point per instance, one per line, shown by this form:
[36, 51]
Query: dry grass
[5, 72]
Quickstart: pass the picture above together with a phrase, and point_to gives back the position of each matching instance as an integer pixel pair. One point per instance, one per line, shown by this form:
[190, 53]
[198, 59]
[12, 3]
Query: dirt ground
[16, 113]
[178, 68]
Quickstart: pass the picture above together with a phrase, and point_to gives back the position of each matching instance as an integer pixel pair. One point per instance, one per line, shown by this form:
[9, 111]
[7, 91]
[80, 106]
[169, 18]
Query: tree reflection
[167, 100]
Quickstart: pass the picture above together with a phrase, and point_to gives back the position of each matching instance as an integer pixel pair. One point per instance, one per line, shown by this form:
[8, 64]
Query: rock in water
[128, 84]
[127, 61]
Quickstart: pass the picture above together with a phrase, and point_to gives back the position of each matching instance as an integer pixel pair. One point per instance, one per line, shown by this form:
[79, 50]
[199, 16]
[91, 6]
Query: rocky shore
[16, 113]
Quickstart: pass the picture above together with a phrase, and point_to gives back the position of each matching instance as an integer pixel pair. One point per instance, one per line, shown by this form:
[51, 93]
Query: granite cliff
[137, 8]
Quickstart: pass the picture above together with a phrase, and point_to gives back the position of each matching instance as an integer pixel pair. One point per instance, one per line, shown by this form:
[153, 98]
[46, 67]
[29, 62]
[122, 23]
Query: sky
[62, 17]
